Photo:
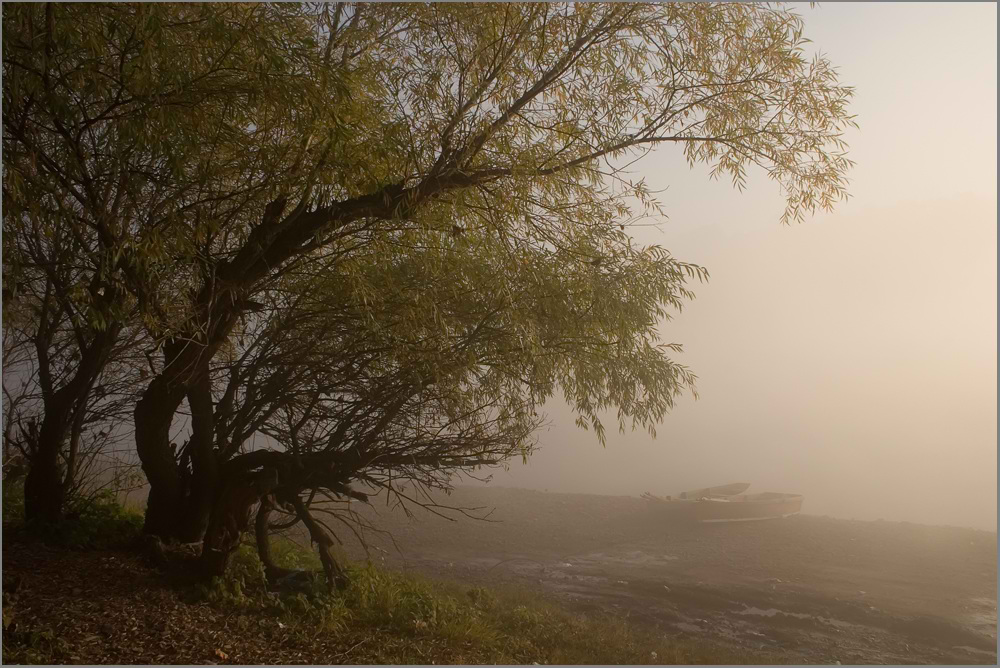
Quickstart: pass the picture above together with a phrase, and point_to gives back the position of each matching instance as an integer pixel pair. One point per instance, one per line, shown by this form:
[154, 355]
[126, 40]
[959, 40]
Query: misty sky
[851, 358]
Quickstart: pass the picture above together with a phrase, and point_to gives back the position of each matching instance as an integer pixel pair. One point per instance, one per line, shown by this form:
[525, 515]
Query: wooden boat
[726, 503]
[731, 489]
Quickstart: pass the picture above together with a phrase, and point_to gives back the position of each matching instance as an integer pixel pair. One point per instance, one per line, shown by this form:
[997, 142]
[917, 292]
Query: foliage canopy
[382, 235]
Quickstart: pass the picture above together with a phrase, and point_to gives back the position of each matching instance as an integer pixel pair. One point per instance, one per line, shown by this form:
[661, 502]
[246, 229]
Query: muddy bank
[819, 589]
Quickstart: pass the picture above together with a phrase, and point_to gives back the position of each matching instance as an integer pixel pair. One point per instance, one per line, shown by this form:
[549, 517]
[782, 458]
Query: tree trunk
[260, 529]
[45, 488]
[171, 513]
[231, 517]
[335, 576]
[44, 493]
[204, 484]
[154, 413]
[262, 525]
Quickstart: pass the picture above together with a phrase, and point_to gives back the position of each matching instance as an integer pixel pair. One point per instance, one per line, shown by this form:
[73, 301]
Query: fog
[850, 358]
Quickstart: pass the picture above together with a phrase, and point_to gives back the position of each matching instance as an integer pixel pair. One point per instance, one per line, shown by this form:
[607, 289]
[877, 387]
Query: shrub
[13, 501]
[244, 584]
[289, 554]
[97, 523]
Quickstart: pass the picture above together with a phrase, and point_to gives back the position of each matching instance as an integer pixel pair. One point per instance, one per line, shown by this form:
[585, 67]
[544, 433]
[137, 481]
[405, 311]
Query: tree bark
[231, 517]
[44, 493]
[335, 576]
[184, 374]
[154, 413]
[204, 484]
[262, 527]
[45, 487]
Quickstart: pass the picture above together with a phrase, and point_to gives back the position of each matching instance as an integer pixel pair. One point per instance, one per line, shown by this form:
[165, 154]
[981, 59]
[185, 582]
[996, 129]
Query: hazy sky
[853, 357]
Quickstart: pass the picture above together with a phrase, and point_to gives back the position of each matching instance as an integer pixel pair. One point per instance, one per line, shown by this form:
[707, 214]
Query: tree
[97, 182]
[69, 379]
[67, 396]
[417, 381]
[65, 353]
[259, 144]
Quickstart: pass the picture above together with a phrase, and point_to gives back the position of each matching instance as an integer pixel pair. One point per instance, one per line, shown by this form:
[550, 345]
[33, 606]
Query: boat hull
[770, 507]
[732, 489]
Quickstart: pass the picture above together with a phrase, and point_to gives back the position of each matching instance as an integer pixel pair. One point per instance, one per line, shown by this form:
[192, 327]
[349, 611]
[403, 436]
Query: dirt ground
[817, 589]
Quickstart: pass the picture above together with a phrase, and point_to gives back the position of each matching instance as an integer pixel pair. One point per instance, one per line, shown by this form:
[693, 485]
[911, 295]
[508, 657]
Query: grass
[386, 617]
[94, 523]
[404, 619]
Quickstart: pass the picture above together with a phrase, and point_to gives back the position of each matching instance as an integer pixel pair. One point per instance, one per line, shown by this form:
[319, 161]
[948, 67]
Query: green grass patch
[409, 619]
[13, 502]
[99, 522]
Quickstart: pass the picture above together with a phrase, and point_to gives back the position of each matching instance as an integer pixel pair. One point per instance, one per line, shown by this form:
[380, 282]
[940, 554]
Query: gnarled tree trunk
[262, 526]
[230, 517]
[154, 413]
[324, 544]
[178, 508]
[204, 489]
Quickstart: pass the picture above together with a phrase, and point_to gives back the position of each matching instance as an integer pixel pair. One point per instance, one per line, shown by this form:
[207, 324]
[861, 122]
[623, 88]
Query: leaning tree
[231, 157]
[426, 355]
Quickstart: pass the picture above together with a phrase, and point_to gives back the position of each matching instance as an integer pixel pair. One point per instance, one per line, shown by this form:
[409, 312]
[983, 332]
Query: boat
[725, 503]
[731, 489]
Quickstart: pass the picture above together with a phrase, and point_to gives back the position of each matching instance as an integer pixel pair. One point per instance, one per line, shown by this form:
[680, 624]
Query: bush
[289, 554]
[243, 585]
[98, 523]
[13, 501]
